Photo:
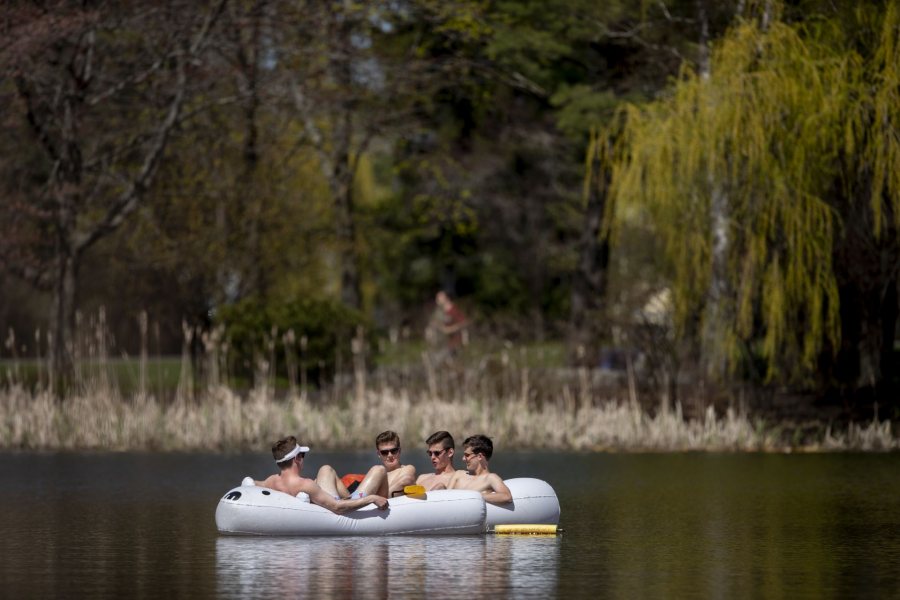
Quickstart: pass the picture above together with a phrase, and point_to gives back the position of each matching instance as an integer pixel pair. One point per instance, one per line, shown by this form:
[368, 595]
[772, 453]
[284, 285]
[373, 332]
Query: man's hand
[380, 501]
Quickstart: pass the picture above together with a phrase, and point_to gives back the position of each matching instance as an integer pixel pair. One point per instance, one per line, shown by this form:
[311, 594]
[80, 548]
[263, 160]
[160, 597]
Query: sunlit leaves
[783, 117]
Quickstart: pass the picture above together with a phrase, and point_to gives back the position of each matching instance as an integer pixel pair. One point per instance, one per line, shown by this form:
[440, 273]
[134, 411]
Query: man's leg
[375, 482]
[328, 480]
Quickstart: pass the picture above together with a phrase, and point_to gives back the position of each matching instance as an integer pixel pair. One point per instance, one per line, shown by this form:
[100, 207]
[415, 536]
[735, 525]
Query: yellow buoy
[526, 529]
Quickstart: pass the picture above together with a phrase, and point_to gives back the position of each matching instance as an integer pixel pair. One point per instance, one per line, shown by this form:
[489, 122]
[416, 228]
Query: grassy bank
[220, 419]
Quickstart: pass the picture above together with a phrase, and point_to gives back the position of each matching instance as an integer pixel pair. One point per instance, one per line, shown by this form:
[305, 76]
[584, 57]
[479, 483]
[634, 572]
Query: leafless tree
[94, 91]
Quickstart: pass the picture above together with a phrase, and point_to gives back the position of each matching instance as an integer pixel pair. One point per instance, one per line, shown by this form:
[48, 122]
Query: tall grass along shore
[523, 397]
[221, 419]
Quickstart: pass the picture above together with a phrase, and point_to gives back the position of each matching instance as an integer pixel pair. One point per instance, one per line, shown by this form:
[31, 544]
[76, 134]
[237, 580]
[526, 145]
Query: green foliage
[768, 141]
[581, 106]
[319, 333]
[883, 149]
[762, 130]
[430, 233]
[499, 288]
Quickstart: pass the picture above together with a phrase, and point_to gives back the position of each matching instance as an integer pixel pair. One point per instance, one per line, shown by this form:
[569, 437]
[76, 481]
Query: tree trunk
[252, 199]
[887, 390]
[63, 317]
[81, 206]
[866, 267]
[345, 230]
[343, 163]
[588, 326]
[715, 317]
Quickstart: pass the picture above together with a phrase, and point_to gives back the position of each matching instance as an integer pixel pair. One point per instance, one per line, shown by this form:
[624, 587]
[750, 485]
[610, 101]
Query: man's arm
[455, 479]
[448, 329]
[457, 321]
[402, 477]
[499, 493]
[319, 496]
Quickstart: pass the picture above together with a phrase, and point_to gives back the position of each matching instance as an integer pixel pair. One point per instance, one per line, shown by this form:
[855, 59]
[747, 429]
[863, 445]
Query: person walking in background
[440, 451]
[447, 332]
[455, 322]
[477, 451]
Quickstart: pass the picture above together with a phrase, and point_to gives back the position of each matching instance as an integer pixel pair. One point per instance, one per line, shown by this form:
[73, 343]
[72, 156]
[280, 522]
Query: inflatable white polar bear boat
[253, 510]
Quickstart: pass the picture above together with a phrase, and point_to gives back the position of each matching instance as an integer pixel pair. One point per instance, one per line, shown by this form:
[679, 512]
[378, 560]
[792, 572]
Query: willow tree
[751, 173]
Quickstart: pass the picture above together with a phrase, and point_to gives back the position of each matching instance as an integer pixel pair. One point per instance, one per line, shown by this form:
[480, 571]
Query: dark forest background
[662, 179]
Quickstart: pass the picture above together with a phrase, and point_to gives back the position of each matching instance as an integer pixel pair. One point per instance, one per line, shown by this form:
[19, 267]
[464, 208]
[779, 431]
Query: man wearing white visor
[327, 490]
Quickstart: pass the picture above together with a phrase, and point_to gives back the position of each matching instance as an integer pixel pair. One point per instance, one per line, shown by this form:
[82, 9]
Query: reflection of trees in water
[361, 567]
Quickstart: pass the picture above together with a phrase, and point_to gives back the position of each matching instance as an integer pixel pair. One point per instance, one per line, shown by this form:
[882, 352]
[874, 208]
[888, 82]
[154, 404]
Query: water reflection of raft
[259, 511]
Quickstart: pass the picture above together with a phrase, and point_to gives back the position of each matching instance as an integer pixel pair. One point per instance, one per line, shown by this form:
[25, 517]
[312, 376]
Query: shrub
[253, 329]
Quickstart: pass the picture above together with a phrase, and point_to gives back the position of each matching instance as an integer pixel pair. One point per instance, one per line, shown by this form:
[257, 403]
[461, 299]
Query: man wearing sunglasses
[326, 489]
[477, 451]
[440, 452]
[398, 476]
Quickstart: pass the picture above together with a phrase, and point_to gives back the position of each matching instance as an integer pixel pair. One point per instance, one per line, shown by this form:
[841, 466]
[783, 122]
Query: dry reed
[522, 406]
[220, 419]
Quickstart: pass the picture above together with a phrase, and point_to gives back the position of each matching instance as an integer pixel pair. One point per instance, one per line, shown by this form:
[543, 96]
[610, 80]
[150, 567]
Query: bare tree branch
[128, 200]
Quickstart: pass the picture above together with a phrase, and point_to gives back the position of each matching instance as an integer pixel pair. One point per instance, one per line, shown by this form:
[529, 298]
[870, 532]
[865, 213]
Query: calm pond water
[679, 526]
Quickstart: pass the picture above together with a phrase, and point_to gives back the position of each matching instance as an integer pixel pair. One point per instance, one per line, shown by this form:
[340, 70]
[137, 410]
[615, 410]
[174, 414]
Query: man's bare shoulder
[292, 484]
[306, 485]
[270, 482]
[277, 482]
[464, 481]
[461, 475]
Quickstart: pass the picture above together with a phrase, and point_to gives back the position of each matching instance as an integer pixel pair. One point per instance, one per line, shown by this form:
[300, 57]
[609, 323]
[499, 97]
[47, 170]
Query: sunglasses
[386, 451]
[435, 452]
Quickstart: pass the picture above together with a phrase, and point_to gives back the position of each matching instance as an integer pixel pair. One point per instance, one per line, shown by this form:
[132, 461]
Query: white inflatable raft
[253, 510]
[259, 511]
[534, 503]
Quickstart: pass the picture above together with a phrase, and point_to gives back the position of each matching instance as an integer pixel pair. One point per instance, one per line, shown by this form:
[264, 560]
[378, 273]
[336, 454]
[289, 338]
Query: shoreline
[221, 419]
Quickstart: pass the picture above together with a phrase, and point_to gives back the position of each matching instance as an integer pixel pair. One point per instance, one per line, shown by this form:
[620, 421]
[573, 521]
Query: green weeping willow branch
[788, 126]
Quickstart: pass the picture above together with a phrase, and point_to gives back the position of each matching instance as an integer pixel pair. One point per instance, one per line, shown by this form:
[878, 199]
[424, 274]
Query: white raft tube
[253, 510]
[534, 503]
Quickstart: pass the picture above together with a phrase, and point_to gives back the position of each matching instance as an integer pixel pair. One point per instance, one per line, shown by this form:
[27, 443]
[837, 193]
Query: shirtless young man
[398, 476]
[326, 489]
[440, 451]
[477, 451]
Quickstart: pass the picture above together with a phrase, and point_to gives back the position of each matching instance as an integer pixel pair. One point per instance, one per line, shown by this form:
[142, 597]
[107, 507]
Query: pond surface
[680, 526]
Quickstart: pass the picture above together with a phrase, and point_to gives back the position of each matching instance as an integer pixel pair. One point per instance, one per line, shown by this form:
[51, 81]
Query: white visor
[297, 450]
